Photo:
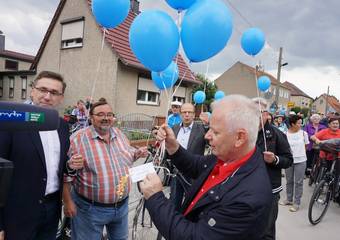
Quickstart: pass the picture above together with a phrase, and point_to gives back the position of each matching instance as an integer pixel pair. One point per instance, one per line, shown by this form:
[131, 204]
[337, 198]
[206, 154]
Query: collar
[189, 127]
[222, 167]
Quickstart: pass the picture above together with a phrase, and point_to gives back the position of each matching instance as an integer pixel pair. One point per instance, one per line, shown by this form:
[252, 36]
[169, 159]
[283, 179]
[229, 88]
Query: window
[149, 98]
[179, 94]
[11, 87]
[147, 93]
[321, 101]
[23, 87]
[11, 65]
[1, 86]
[280, 92]
[286, 94]
[274, 91]
[72, 33]
[178, 99]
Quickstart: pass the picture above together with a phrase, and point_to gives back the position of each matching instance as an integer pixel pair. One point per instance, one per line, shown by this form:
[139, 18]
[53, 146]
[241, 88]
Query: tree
[208, 87]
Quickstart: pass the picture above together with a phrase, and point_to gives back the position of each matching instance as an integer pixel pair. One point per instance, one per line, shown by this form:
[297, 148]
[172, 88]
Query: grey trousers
[294, 186]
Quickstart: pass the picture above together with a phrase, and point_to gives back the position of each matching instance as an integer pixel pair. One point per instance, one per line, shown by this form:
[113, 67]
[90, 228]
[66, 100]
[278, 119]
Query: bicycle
[328, 187]
[165, 170]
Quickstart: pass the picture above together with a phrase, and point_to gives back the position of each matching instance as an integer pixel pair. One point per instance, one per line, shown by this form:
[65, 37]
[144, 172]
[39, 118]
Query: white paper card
[138, 173]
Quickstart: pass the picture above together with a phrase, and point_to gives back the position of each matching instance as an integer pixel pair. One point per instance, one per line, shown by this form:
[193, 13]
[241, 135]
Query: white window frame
[145, 101]
[178, 99]
[1, 86]
[11, 81]
[23, 87]
[72, 33]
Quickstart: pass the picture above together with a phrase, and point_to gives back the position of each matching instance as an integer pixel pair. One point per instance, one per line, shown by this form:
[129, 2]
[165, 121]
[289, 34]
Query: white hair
[242, 113]
[315, 116]
[263, 102]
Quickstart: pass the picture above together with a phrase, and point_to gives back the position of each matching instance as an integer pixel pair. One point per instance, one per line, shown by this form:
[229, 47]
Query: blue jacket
[236, 209]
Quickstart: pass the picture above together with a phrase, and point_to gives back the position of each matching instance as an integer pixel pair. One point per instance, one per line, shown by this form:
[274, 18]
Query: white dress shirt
[51, 144]
[184, 135]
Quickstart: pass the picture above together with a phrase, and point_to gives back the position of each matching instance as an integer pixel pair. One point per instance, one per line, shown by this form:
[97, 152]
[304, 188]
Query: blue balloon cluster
[252, 41]
[219, 95]
[199, 97]
[206, 29]
[167, 78]
[180, 4]
[263, 83]
[110, 13]
[154, 39]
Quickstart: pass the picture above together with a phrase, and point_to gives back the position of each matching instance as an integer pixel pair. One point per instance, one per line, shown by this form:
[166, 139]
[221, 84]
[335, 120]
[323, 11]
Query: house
[298, 98]
[99, 63]
[240, 79]
[14, 73]
[323, 101]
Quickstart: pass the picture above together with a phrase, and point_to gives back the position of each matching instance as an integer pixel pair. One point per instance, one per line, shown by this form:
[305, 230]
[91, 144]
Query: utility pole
[278, 79]
[326, 108]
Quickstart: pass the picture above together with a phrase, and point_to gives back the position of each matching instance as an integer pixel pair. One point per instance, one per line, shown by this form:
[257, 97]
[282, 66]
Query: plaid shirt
[104, 177]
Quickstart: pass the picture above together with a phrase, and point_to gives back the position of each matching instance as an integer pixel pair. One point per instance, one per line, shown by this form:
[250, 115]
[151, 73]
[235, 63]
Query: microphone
[26, 117]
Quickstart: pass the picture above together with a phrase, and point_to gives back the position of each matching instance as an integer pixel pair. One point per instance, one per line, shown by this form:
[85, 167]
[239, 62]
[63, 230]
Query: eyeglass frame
[103, 115]
[44, 90]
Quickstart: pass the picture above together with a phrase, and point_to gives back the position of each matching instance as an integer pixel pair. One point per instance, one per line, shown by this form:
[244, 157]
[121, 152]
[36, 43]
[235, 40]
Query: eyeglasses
[102, 114]
[53, 93]
[264, 111]
[187, 112]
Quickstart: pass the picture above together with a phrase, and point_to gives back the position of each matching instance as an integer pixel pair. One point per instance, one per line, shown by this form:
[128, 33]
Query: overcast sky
[308, 31]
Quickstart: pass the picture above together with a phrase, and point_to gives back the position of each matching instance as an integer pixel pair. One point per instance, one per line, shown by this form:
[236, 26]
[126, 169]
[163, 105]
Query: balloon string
[259, 105]
[205, 81]
[98, 66]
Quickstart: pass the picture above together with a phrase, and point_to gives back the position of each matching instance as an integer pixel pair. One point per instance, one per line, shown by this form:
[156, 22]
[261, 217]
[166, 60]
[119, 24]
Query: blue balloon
[110, 13]
[199, 97]
[154, 39]
[206, 29]
[167, 78]
[180, 4]
[219, 95]
[263, 83]
[252, 41]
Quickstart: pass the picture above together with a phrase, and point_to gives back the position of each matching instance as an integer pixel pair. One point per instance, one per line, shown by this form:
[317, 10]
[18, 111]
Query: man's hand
[167, 134]
[2, 235]
[70, 209]
[150, 185]
[268, 157]
[76, 162]
[141, 152]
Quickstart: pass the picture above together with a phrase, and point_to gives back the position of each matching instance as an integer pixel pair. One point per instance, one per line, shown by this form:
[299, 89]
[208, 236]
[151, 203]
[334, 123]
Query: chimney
[2, 41]
[135, 6]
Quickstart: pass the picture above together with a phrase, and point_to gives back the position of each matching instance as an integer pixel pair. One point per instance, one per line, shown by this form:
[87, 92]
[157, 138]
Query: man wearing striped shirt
[100, 190]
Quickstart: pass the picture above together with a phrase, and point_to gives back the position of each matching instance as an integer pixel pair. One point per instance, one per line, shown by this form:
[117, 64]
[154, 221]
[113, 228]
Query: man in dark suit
[33, 206]
[231, 194]
[190, 135]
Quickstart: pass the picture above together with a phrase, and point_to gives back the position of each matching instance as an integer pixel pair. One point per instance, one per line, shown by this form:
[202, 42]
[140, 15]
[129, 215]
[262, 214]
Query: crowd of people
[233, 192]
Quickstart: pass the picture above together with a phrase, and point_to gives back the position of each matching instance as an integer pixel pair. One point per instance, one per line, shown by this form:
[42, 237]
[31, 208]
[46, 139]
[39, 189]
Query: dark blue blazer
[236, 209]
[29, 179]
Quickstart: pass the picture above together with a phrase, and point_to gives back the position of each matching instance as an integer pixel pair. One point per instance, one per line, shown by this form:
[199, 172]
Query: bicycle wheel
[141, 223]
[64, 229]
[319, 202]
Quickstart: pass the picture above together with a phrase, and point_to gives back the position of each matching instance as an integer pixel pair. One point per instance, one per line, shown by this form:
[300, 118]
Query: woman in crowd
[298, 139]
[312, 128]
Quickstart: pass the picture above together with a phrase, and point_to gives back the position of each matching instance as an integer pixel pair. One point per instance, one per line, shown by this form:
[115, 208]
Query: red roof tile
[16, 55]
[295, 91]
[332, 101]
[119, 40]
